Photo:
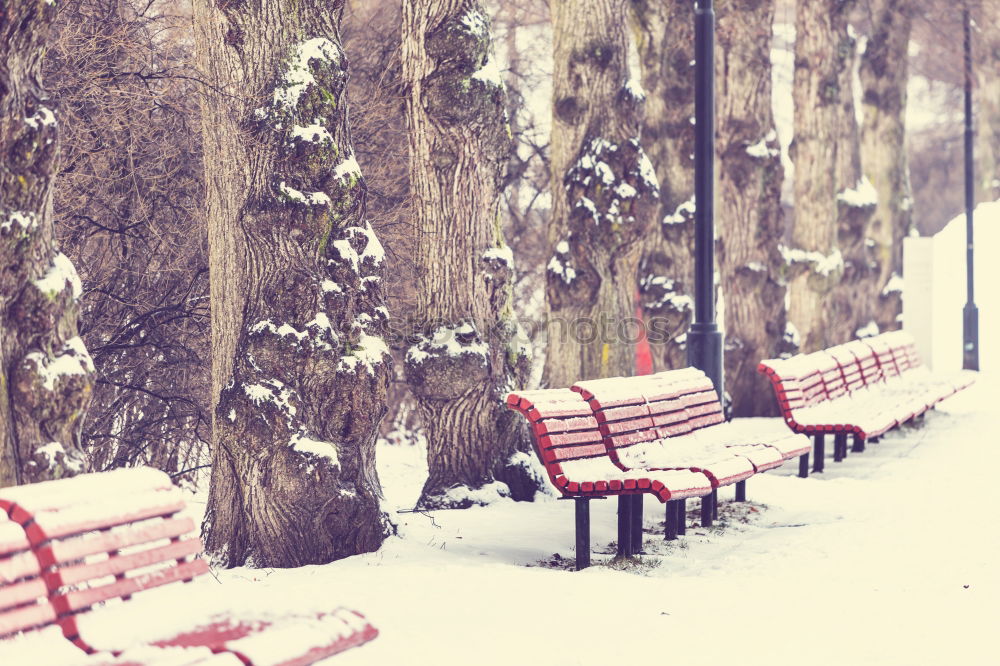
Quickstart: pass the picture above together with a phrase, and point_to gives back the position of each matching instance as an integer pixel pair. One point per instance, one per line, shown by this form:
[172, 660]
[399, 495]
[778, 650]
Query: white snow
[502, 254]
[761, 149]
[477, 23]
[329, 286]
[297, 77]
[563, 270]
[634, 88]
[72, 359]
[309, 199]
[682, 213]
[43, 118]
[792, 335]
[895, 284]
[445, 339]
[373, 248]
[368, 351]
[314, 133]
[489, 73]
[862, 194]
[823, 264]
[313, 447]
[59, 273]
[27, 221]
[868, 330]
[348, 167]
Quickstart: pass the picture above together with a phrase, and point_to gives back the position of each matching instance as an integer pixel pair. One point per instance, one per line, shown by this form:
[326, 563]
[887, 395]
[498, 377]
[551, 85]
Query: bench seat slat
[19, 619]
[16, 594]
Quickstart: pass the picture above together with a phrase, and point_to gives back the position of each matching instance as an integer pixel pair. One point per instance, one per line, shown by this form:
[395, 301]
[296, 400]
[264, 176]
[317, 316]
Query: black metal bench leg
[818, 453]
[670, 521]
[741, 491]
[804, 466]
[715, 504]
[707, 511]
[636, 524]
[839, 446]
[624, 525]
[682, 517]
[582, 532]
[859, 444]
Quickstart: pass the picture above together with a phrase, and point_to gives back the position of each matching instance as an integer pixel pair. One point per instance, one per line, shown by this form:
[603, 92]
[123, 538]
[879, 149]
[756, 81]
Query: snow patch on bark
[762, 149]
[60, 272]
[477, 23]
[869, 330]
[895, 284]
[668, 298]
[314, 133]
[559, 263]
[449, 341]
[681, 214]
[271, 391]
[861, 195]
[792, 335]
[502, 254]
[633, 88]
[297, 77]
[314, 447]
[43, 118]
[348, 168]
[72, 359]
[822, 264]
[367, 352]
[489, 73]
[329, 286]
[309, 199]
[27, 221]
[373, 248]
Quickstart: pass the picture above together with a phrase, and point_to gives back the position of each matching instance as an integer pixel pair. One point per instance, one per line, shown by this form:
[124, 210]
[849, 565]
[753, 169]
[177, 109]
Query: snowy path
[883, 559]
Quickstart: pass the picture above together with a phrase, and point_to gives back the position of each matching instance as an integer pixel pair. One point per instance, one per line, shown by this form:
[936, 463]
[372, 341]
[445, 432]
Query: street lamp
[970, 314]
[704, 340]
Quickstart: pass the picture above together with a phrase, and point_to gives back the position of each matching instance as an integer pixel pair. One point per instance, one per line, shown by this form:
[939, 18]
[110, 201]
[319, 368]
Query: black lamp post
[704, 340]
[970, 314]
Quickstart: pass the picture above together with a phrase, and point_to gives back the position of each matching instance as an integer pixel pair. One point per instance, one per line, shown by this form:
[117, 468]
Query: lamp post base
[970, 337]
[704, 351]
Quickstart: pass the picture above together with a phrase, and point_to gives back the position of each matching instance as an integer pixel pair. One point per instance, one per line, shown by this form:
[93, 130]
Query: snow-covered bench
[673, 420]
[570, 445]
[860, 389]
[92, 558]
[659, 434]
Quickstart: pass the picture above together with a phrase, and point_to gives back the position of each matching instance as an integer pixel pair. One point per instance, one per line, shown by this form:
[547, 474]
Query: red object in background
[643, 352]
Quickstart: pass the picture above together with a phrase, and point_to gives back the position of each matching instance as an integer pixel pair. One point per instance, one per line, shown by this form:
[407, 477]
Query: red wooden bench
[105, 548]
[674, 420]
[659, 434]
[859, 389]
[570, 445]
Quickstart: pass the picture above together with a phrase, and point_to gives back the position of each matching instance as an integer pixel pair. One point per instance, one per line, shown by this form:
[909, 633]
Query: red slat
[569, 439]
[19, 593]
[620, 413]
[627, 425]
[28, 616]
[18, 565]
[65, 550]
[52, 525]
[80, 599]
[565, 425]
[563, 411]
[628, 439]
[575, 452]
[68, 575]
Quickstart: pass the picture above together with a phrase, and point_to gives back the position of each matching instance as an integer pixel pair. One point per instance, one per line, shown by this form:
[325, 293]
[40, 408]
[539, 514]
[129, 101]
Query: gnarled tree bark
[468, 354]
[884, 74]
[815, 262]
[300, 366]
[665, 40]
[749, 215]
[45, 370]
[604, 193]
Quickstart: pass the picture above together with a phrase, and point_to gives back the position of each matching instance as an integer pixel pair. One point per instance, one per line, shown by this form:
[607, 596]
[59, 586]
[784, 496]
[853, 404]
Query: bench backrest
[871, 372]
[802, 381]
[562, 425]
[24, 601]
[849, 368]
[106, 536]
[649, 408]
[884, 356]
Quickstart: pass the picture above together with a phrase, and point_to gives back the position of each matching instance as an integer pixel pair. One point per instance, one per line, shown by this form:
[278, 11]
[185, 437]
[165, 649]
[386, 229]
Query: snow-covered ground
[886, 558]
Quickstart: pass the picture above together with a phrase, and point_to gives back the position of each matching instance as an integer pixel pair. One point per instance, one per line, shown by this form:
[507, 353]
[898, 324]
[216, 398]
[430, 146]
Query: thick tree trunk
[849, 307]
[749, 216]
[986, 42]
[665, 39]
[45, 370]
[468, 354]
[300, 367]
[604, 193]
[816, 263]
[884, 75]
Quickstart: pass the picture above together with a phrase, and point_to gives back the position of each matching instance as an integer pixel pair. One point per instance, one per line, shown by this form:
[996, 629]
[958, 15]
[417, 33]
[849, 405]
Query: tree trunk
[665, 39]
[987, 103]
[749, 217]
[604, 192]
[467, 356]
[849, 307]
[884, 76]
[816, 263]
[300, 367]
[45, 370]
